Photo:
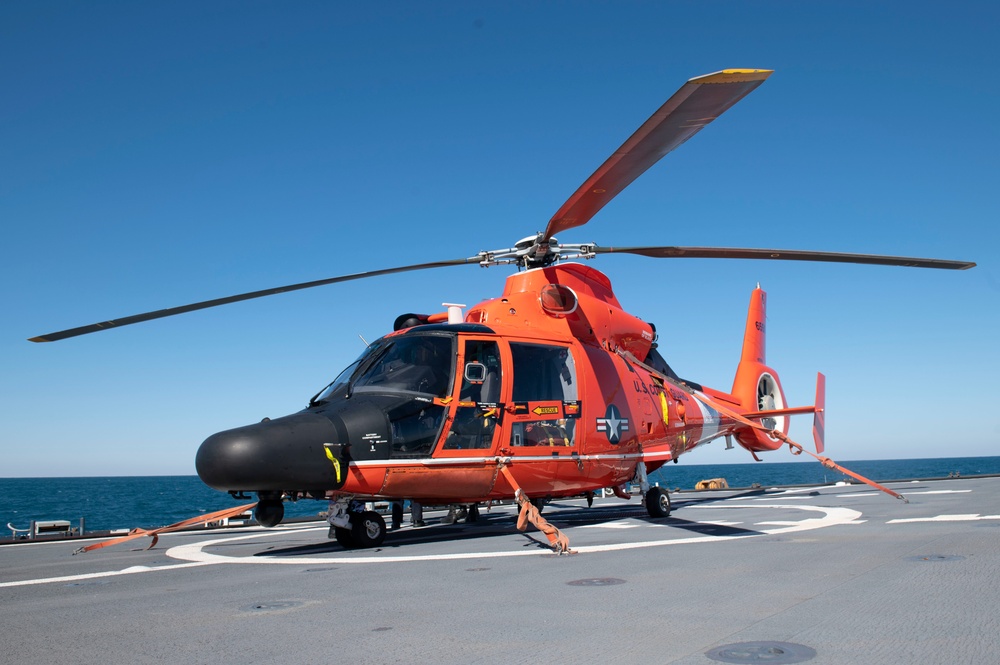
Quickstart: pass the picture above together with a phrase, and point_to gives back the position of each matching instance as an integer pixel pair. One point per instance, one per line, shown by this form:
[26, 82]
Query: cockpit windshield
[411, 363]
[404, 363]
[343, 379]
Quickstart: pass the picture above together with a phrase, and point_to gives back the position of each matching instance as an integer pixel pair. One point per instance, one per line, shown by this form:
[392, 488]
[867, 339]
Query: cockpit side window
[487, 389]
[478, 407]
[415, 428]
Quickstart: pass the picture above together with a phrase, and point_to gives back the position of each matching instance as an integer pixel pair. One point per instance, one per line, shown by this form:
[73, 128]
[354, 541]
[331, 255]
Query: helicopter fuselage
[541, 379]
[549, 390]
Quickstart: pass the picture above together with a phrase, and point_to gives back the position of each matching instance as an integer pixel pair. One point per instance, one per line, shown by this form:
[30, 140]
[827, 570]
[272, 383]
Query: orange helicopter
[550, 390]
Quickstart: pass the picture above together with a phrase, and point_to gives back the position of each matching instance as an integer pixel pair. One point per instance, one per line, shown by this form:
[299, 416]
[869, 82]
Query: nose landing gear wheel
[658, 502]
[269, 512]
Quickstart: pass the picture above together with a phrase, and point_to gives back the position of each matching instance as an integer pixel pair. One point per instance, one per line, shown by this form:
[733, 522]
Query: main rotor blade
[782, 255]
[172, 311]
[698, 102]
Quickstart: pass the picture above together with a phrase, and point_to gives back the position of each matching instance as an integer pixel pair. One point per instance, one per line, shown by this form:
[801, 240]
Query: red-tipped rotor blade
[699, 101]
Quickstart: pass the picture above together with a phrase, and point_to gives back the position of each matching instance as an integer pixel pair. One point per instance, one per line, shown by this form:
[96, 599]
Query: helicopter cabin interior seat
[546, 433]
[490, 391]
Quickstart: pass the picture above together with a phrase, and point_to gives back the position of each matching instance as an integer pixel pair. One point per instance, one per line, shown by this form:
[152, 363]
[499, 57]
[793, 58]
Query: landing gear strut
[655, 498]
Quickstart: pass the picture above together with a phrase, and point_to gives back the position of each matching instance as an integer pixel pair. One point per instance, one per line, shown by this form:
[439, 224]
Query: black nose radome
[283, 454]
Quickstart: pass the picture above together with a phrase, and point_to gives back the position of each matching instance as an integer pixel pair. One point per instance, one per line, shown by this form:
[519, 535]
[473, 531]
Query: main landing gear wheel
[658, 502]
[367, 529]
[344, 537]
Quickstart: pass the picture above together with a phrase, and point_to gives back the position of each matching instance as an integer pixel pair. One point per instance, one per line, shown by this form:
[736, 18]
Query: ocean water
[152, 501]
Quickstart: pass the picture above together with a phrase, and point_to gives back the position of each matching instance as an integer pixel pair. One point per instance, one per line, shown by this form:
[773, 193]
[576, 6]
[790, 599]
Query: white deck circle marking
[195, 552]
[66, 579]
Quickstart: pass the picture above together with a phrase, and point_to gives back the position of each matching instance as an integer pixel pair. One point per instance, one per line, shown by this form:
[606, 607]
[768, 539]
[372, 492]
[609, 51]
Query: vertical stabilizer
[756, 385]
[754, 346]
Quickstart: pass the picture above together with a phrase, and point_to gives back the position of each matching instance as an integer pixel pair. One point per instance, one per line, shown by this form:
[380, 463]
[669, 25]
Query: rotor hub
[536, 252]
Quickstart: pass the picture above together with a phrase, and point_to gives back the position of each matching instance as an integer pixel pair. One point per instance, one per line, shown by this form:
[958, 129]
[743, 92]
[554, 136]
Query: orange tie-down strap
[155, 533]
[795, 447]
[557, 539]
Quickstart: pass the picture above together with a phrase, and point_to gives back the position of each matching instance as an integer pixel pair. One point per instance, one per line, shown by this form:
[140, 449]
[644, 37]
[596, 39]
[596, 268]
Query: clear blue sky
[155, 154]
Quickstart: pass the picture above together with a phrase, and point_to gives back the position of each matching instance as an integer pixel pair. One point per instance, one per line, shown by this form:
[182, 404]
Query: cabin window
[545, 395]
[543, 373]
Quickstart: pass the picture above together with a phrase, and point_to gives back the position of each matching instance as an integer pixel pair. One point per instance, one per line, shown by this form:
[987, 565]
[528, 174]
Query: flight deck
[825, 574]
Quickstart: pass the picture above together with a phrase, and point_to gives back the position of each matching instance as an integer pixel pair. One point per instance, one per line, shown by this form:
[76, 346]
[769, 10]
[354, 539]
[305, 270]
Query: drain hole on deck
[273, 606]
[87, 583]
[597, 581]
[762, 652]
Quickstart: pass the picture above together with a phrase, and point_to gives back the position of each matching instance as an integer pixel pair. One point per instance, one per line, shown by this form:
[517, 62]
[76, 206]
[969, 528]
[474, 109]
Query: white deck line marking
[834, 516]
[610, 525]
[946, 518]
[798, 490]
[775, 523]
[941, 492]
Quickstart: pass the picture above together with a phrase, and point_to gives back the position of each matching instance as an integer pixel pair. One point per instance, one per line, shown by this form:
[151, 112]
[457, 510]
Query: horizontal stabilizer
[819, 416]
[790, 411]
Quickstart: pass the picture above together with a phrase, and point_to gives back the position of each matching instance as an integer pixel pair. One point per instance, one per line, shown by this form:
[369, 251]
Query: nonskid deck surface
[829, 574]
